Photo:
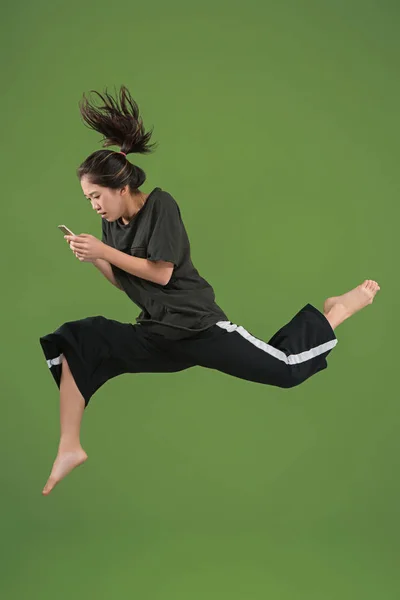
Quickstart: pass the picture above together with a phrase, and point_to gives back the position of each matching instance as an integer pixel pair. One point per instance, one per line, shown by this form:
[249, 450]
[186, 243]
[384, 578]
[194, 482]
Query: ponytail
[119, 122]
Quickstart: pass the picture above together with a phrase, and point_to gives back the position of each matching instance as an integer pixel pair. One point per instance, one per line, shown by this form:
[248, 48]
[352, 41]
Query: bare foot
[347, 304]
[64, 463]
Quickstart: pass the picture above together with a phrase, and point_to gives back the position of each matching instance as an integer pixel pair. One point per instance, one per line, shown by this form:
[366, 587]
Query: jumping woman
[145, 252]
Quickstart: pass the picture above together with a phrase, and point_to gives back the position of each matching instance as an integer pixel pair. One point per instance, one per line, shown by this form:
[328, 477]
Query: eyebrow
[90, 193]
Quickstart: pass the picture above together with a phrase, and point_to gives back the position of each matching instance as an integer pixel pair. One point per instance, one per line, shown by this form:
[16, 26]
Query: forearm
[140, 267]
[104, 267]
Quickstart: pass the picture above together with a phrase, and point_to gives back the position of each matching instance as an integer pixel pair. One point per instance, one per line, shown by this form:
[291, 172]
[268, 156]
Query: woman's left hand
[86, 246]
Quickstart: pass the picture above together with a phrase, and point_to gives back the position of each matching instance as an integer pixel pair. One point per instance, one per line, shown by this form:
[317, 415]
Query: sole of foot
[63, 465]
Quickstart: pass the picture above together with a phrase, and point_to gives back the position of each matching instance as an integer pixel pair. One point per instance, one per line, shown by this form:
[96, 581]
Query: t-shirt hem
[180, 327]
[162, 258]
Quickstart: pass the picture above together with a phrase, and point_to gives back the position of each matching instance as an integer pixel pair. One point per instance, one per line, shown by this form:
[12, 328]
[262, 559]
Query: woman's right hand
[76, 253]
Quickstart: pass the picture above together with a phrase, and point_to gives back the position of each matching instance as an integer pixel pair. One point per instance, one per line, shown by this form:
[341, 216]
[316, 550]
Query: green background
[278, 131]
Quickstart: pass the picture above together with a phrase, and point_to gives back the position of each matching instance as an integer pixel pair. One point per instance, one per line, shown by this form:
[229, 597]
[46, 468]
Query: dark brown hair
[119, 122]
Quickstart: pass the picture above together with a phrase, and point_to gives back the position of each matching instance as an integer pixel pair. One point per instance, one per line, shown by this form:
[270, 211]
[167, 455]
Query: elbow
[161, 278]
[168, 274]
[165, 275]
[165, 281]
[162, 272]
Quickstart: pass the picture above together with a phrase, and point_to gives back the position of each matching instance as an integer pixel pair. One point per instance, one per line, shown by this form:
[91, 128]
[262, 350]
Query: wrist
[105, 252]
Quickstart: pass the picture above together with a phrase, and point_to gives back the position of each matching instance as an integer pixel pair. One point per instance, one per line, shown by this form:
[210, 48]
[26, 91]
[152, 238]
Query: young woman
[145, 252]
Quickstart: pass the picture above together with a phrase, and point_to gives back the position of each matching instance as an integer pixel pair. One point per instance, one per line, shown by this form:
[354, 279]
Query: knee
[288, 378]
[65, 365]
[288, 383]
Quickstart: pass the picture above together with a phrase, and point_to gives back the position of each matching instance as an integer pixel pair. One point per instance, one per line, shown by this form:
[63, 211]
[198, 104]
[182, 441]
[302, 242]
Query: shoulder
[164, 201]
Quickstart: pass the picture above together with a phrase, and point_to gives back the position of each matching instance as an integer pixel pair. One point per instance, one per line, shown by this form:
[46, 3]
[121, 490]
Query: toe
[51, 482]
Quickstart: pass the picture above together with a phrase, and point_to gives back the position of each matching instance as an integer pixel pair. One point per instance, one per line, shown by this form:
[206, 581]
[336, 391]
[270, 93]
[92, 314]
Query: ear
[125, 190]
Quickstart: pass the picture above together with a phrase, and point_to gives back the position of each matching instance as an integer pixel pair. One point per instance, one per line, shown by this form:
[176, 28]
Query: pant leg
[296, 352]
[98, 349]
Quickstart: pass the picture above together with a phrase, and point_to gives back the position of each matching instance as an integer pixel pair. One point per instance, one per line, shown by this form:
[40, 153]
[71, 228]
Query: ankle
[69, 444]
[336, 315]
[331, 320]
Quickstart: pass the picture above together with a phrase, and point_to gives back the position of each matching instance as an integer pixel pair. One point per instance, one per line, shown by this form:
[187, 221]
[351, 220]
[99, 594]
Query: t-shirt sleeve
[166, 238]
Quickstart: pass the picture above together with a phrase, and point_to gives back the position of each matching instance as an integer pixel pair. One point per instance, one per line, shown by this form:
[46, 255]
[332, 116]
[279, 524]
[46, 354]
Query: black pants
[98, 349]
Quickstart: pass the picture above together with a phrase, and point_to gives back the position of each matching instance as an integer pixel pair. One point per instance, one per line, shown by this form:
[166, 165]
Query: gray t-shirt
[186, 305]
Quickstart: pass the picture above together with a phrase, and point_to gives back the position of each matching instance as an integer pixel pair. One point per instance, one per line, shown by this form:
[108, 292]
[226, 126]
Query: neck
[136, 202]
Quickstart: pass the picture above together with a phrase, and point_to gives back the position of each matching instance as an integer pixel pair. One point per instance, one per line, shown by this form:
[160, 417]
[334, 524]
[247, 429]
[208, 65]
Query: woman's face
[105, 201]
